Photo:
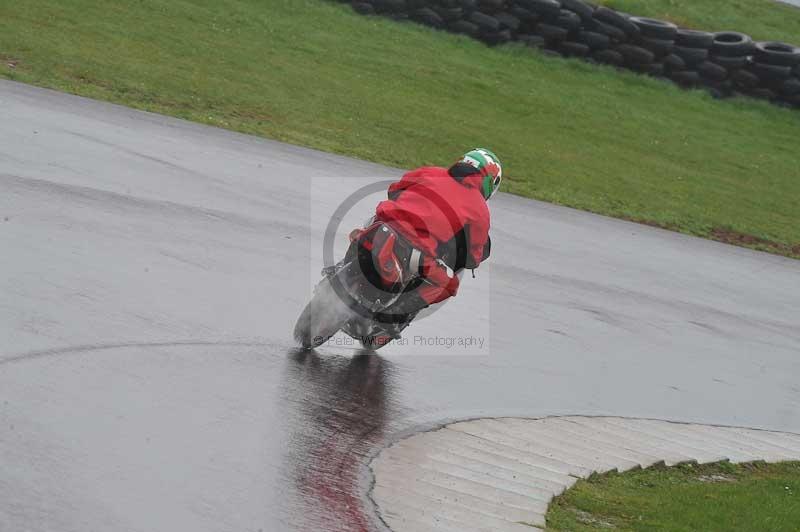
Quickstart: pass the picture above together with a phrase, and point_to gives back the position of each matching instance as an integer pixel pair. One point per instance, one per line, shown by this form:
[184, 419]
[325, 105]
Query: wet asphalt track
[150, 274]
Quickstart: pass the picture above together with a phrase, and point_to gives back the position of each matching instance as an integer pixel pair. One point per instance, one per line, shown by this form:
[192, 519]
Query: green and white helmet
[489, 167]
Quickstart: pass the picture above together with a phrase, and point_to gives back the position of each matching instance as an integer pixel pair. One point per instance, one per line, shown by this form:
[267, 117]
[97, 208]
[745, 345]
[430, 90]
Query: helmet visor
[491, 184]
[495, 185]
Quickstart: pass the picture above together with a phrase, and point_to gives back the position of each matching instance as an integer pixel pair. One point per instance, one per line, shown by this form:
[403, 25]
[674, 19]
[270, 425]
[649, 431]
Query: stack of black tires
[726, 63]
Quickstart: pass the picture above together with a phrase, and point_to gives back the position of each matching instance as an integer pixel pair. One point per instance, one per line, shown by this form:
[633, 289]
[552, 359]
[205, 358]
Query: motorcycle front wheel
[322, 317]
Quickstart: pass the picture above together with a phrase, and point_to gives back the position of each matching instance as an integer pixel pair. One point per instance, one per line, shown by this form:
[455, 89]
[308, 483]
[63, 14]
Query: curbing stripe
[671, 455]
[501, 474]
[456, 512]
[422, 521]
[690, 448]
[541, 436]
[566, 440]
[457, 497]
[469, 487]
[718, 442]
[436, 455]
[784, 447]
[645, 456]
[532, 448]
[464, 453]
[466, 475]
[645, 445]
[527, 457]
[716, 446]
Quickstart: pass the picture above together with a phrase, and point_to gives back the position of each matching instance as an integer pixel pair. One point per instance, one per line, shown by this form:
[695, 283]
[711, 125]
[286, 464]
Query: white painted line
[501, 474]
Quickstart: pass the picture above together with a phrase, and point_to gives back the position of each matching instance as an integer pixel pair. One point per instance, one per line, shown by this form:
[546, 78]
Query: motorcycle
[361, 295]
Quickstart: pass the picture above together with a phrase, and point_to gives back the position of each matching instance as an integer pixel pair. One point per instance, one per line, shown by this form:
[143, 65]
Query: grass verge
[314, 73]
[764, 20]
[718, 497]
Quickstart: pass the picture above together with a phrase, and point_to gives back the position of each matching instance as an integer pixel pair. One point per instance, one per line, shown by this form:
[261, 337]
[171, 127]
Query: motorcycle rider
[443, 213]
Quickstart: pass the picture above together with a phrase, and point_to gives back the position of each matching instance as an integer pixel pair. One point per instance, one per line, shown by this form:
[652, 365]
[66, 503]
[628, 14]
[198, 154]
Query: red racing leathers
[429, 208]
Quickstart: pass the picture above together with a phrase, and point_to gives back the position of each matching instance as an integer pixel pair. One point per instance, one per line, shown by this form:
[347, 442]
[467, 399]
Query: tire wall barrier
[726, 63]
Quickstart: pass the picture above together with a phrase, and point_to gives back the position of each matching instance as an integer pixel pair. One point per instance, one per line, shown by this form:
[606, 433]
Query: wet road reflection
[336, 409]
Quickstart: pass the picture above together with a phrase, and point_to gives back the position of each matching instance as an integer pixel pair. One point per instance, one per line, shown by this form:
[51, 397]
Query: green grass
[314, 73]
[764, 20]
[708, 498]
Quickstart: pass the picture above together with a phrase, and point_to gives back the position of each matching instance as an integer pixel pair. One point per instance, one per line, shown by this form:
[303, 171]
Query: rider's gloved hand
[444, 282]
